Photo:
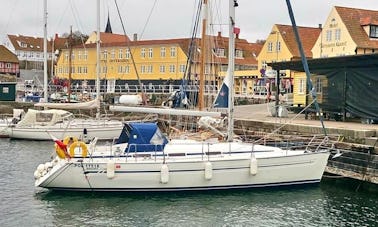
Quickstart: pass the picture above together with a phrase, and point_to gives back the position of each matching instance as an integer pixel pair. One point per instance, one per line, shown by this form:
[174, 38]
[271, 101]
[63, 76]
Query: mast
[231, 69]
[69, 65]
[98, 59]
[203, 57]
[45, 96]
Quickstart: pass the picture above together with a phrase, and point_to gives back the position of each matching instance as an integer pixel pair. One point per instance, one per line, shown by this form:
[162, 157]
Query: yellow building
[155, 62]
[346, 31]
[281, 46]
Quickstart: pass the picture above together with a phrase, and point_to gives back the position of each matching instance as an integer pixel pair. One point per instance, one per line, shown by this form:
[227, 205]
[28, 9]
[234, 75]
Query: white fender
[253, 166]
[48, 165]
[208, 171]
[40, 168]
[164, 174]
[110, 169]
[37, 174]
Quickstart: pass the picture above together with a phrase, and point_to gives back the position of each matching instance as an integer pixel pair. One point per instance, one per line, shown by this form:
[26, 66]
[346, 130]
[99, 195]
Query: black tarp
[351, 83]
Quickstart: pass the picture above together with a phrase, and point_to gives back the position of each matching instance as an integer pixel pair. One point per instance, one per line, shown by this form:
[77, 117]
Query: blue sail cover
[142, 137]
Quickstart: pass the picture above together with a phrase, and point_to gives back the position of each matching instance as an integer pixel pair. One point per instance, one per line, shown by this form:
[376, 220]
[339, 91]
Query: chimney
[56, 36]
[135, 37]
[320, 26]
[237, 36]
[219, 34]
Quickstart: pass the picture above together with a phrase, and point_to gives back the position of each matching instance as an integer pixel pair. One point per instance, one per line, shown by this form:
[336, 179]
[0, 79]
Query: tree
[77, 37]
[260, 41]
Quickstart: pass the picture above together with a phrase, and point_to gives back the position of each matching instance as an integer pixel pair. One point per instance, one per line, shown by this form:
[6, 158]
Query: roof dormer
[370, 25]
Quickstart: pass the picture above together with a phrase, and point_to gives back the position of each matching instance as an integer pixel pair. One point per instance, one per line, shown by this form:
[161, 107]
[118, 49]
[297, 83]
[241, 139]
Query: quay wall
[359, 147]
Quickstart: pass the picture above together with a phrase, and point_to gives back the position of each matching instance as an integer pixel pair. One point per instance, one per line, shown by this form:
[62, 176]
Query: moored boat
[143, 159]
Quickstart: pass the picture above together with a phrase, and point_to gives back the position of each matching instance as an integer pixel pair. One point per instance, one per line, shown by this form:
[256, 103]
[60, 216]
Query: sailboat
[59, 123]
[143, 159]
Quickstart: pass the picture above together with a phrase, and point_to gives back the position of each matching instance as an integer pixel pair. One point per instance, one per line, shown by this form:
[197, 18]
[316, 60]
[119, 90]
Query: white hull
[185, 173]
[103, 131]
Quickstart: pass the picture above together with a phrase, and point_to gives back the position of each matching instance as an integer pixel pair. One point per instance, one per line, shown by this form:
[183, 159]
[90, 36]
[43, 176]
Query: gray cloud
[169, 19]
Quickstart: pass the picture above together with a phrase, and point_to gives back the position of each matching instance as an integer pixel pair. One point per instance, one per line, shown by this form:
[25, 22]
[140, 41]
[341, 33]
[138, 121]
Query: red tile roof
[30, 43]
[354, 20]
[308, 36]
[112, 38]
[7, 56]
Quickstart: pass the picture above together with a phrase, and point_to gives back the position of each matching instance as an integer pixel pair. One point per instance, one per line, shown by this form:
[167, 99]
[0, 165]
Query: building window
[329, 36]
[338, 34]
[105, 69]
[182, 68]
[373, 31]
[127, 54]
[270, 47]
[162, 52]
[79, 55]
[127, 69]
[220, 52]
[85, 55]
[143, 53]
[173, 52]
[112, 54]
[239, 53]
[318, 85]
[8, 65]
[278, 46]
[172, 68]
[301, 89]
[120, 54]
[142, 69]
[120, 69]
[105, 56]
[162, 68]
[207, 68]
[149, 69]
[150, 52]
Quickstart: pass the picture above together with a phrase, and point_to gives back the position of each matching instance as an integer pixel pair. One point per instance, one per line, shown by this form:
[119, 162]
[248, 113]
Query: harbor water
[332, 203]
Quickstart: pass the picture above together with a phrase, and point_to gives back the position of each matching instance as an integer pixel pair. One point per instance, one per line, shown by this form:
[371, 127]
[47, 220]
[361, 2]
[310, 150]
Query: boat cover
[142, 137]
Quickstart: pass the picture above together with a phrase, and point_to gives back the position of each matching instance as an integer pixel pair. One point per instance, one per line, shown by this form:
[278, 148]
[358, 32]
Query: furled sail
[69, 106]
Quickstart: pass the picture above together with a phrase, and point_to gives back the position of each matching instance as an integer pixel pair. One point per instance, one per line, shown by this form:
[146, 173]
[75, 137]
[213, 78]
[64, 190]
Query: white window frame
[329, 35]
[173, 52]
[172, 68]
[127, 53]
[301, 87]
[337, 34]
[150, 53]
[162, 68]
[162, 52]
[120, 54]
[270, 47]
[127, 69]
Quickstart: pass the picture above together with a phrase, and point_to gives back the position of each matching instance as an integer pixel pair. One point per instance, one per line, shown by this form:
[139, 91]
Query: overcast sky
[168, 18]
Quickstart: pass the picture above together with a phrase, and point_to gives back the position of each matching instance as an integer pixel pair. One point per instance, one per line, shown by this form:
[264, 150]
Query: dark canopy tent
[351, 83]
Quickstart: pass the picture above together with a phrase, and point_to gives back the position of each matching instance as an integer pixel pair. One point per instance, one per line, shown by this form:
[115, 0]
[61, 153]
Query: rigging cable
[191, 52]
[131, 55]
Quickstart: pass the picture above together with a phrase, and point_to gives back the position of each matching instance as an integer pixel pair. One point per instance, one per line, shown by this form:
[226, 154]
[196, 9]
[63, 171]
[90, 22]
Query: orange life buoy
[83, 148]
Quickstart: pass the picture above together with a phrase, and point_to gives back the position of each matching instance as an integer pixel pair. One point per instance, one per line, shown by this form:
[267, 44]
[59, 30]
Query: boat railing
[139, 150]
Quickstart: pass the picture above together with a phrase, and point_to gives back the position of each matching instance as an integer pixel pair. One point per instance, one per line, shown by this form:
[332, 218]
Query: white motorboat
[143, 159]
